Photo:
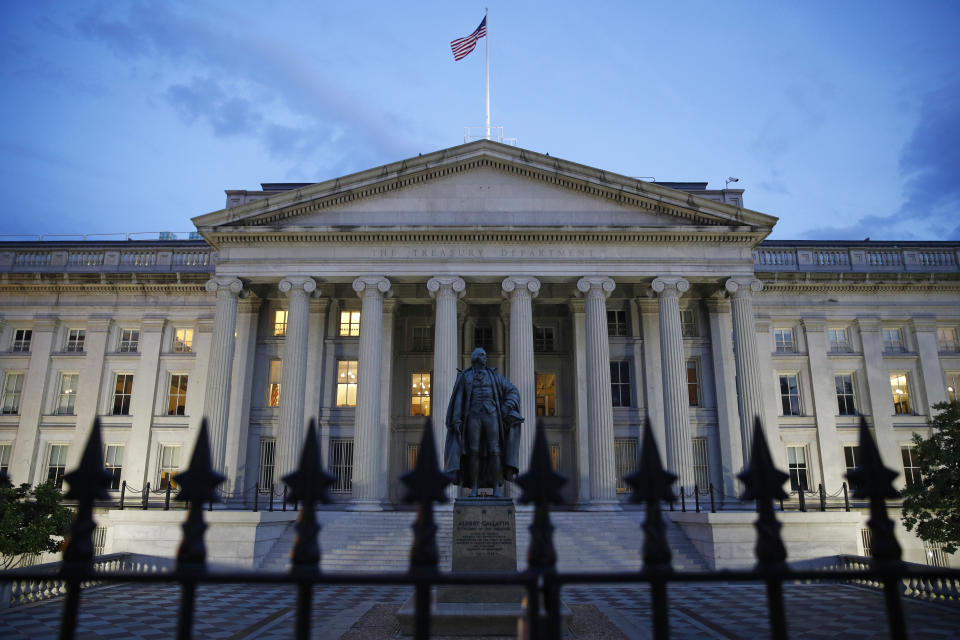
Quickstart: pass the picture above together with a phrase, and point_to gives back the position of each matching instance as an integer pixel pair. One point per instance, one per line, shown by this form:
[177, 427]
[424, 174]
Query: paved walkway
[238, 612]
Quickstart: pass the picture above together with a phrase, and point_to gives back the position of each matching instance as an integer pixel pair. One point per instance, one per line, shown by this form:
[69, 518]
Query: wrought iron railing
[426, 484]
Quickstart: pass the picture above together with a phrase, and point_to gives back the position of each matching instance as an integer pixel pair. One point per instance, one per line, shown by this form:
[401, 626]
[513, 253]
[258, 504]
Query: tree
[932, 504]
[31, 521]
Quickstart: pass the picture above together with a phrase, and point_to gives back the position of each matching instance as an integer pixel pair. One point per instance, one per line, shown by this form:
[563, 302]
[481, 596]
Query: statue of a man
[483, 427]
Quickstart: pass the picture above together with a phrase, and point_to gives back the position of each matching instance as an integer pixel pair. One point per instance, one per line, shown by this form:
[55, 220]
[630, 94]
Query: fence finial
[764, 483]
[652, 483]
[426, 484]
[88, 482]
[308, 484]
[198, 484]
[875, 481]
[541, 486]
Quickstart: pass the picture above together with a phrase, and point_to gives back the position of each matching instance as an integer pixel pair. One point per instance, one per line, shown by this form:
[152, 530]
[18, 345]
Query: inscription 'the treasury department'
[490, 253]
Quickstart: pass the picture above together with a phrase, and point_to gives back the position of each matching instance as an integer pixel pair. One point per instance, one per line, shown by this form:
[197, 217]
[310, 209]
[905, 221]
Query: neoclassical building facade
[607, 300]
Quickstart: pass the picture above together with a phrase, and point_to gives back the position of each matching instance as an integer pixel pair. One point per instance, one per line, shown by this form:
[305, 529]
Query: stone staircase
[380, 541]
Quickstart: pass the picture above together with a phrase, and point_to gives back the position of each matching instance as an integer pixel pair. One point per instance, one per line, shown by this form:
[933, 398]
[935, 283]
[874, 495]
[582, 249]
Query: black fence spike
[541, 486]
[308, 484]
[651, 484]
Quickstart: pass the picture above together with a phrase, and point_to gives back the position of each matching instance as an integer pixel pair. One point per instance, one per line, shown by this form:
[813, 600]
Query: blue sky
[840, 118]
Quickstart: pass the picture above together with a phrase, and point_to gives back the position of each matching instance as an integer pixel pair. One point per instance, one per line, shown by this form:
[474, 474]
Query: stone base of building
[470, 618]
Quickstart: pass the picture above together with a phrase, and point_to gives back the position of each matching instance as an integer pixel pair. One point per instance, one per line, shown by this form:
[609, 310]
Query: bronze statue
[483, 428]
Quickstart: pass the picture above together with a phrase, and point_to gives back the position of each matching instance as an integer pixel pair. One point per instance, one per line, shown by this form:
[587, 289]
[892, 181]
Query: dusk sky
[840, 118]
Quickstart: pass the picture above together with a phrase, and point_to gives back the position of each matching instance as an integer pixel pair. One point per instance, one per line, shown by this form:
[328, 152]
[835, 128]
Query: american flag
[462, 47]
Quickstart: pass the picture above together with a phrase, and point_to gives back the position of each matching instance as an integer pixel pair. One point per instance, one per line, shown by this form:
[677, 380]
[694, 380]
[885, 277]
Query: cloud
[205, 99]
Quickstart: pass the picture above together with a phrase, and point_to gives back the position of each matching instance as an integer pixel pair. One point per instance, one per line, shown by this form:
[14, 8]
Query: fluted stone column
[216, 403]
[745, 352]
[446, 290]
[603, 474]
[676, 402]
[521, 290]
[293, 372]
[369, 436]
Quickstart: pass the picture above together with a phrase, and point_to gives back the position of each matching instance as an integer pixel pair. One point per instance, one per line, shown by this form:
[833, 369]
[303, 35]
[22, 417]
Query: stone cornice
[785, 288]
[101, 289]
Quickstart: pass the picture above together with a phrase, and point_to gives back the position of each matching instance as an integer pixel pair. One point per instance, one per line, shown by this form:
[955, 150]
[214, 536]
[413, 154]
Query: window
[542, 339]
[129, 340]
[784, 339]
[177, 396]
[616, 322]
[350, 323]
[953, 386]
[546, 394]
[911, 467]
[5, 458]
[851, 460]
[625, 457]
[844, 386]
[268, 449]
[347, 383]
[893, 340]
[620, 383]
[789, 395]
[273, 384]
[797, 461]
[57, 464]
[67, 394]
[900, 388]
[701, 464]
[866, 537]
[113, 461]
[341, 465]
[75, 339]
[420, 394]
[693, 382]
[936, 556]
[12, 388]
[169, 466]
[422, 339]
[279, 323]
[413, 454]
[688, 323]
[555, 456]
[122, 388]
[21, 340]
[947, 339]
[483, 338]
[839, 343]
[183, 340]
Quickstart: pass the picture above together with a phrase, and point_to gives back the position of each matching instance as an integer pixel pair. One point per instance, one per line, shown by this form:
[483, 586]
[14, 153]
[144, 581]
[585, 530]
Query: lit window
[177, 396]
[542, 339]
[279, 323]
[483, 338]
[12, 389]
[616, 322]
[341, 465]
[789, 395]
[620, 383]
[67, 395]
[273, 388]
[129, 341]
[693, 382]
[784, 339]
[797, 461]
[893, 340]
[851, 460]
[113, 462]
[911, 466]
[625, 459]
[423, 339]
[555, 456]
[701, 463]
[844, 387]
[168, 467]
[268, 449]
[5, 450]
[122, 389]
[546, 394]
[947, 339]
[953, 386]
[900, 388]
[420, 394]
[21, 340]
[688, 323]
[347, 383]
[75, 339]
[839, 343]
[413, 453]
[183, 341]
[350, 323]
[57, 464]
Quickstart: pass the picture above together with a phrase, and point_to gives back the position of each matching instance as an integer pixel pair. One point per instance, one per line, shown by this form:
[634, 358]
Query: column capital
[438, 285]
[598, 284]
[295, 284]
[513, 285]
[224, 283]
[374, 283]
[743, 286]
[669, 286]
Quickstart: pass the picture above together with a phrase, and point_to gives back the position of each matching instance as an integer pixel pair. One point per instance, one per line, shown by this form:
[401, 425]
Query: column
[881, 398]
[216, 405]
[368, 436]
[652, 376]
[725, 383]
[824, 404]
[446, 290]
[673, 363]
[521, 290]
[293, 372]
[750, 398]
[929, 350]
[136, 453]
[241, 393]
[578, 313]
[603, 478]
[88, 390]
[23, 458]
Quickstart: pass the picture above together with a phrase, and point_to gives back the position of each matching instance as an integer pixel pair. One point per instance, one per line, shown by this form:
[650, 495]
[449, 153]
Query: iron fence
[651, 484]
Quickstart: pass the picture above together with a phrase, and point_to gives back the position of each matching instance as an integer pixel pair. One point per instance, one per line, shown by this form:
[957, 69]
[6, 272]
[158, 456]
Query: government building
[606, 299]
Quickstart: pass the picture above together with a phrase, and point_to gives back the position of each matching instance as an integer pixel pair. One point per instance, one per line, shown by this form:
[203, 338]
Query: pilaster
[824, 403]
[241, 386]
[24, 457]
[878, 388]
[386, 392]
[725, 382]
[581, 410]
[90, 386]
[136, 461]
[931, 370]
[652, 374]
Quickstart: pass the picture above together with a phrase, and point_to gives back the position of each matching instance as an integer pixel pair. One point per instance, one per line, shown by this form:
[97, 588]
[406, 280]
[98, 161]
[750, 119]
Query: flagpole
[487, 49]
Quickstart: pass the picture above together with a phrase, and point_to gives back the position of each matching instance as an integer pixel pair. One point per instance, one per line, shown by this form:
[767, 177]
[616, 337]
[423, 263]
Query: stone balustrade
[185, 256]
[857, 257]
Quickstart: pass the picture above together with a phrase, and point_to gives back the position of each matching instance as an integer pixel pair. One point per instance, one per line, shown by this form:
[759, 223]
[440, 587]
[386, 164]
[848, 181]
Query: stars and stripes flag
[462, 47]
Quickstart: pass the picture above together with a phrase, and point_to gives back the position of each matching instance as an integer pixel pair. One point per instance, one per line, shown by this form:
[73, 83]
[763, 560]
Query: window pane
[350, 323]
[273, 389]
[546, 394]
[693, 383]
[280, 323]
[183, 341]
[347, 383]
[625, 456]
[899, 387]
[420, 394]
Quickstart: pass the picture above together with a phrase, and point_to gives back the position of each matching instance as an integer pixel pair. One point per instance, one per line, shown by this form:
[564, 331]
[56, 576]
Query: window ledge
[51, 420]
[171, 421]
[123, 354]
[111, 420]
[797, 421]
[909, 421]
[179, 354]
[9, 419]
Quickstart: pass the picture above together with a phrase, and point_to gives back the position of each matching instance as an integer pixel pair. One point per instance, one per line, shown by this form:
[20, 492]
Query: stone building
[606, 299]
